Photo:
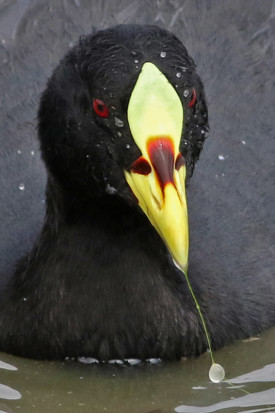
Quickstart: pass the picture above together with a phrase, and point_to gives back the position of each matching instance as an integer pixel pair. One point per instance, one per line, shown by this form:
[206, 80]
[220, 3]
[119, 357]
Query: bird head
[124, 115]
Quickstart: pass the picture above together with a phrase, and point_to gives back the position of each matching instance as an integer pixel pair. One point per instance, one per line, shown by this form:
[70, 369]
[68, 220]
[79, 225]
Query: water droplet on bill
[21, 187]
[162, 54]
[186, 93]
[178, 74]
[221, 157]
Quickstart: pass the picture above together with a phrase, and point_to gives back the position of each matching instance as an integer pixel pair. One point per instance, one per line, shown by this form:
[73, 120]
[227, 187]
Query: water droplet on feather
[118, 122]
[110, 189]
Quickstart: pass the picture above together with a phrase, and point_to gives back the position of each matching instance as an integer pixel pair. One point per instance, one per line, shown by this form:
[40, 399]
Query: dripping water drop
[216, 373]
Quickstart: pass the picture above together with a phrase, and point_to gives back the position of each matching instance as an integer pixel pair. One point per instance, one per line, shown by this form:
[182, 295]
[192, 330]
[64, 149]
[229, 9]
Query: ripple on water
[7, 366]
[8, 393]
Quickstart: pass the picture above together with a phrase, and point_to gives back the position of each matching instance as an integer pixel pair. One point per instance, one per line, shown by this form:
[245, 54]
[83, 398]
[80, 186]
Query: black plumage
[99, 280]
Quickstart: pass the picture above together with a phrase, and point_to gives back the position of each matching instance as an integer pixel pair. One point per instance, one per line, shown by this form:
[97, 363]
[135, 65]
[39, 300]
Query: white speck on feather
[118, 122]
[110, 189]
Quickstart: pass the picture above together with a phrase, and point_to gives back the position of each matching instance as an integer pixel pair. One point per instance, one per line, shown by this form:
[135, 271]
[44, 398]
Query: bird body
[100, 280]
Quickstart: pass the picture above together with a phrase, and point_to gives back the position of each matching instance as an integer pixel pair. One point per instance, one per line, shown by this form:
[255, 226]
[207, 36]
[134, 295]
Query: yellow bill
[157, 178]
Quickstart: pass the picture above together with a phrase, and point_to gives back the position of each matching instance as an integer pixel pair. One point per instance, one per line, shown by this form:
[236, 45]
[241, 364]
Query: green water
[71, 386]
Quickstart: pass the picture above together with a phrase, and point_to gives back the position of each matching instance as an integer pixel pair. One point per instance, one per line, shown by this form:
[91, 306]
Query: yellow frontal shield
[157, 179]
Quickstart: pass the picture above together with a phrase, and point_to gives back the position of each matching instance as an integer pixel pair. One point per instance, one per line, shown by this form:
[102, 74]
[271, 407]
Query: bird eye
[100, 108]
[193, 99]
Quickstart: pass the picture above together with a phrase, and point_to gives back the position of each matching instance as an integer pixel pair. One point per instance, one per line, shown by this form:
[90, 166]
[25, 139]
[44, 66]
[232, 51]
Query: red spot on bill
[141, 166]
[161, 153]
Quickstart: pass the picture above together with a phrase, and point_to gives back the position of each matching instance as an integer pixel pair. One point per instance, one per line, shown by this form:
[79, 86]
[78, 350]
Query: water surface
[71, 386]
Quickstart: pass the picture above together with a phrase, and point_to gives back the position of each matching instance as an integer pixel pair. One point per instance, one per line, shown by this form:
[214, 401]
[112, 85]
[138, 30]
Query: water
[71, 386]
[233, 46]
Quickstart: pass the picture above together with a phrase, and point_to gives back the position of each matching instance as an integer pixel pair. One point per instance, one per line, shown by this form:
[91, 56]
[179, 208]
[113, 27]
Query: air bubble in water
[88, 360]
[153, 361]
[133, 362]
[116, 361]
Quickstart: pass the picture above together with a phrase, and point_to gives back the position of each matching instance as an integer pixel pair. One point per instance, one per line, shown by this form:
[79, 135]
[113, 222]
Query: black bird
[122, 123]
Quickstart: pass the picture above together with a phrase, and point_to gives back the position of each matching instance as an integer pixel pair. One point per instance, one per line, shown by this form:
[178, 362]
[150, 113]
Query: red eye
[193, 99]
[100, 108]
